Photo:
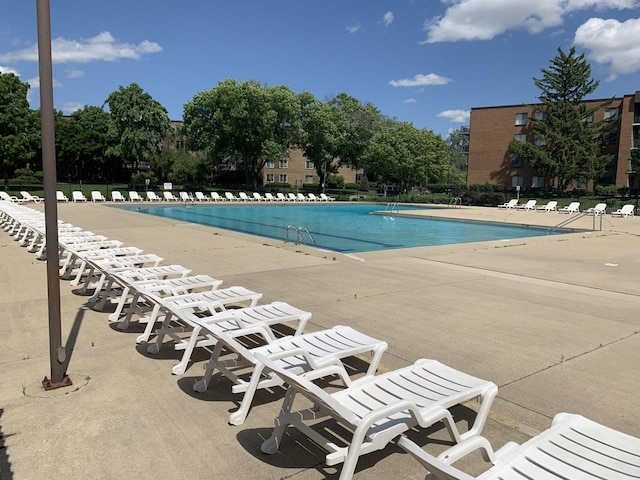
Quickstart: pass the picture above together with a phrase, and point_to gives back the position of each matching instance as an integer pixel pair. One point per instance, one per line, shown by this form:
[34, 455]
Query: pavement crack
[570, 359]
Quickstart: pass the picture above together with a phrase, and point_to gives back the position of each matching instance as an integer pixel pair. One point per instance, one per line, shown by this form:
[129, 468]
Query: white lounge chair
[135, 197]
[10, 198]
[325, 198]
[61, 197]
[324, 346]
[215, 196]
[625, 211]
[97, 196]
[280, 197]
[186, 197]
[599, 209]
[268, 196]
[551, 206]
[116, 196]
[291, 197]
[244, 197]
[27, 197]
[377, 409]
[301, 198]
[530, 205]
[257, 197]
[573, 207]
[153, 197]
[78, 196]
[209, 313]
[573, 447]
[169, 197]
[230, 196]
[312, 197]
[513, 203]
[201, 197]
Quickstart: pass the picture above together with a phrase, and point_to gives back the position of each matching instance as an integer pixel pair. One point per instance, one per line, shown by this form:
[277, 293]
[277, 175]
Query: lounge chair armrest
[435, 466]
[262, 330]
[324, 368]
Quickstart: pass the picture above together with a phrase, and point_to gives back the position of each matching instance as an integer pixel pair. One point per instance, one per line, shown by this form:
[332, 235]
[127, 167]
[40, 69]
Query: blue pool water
[346, 228]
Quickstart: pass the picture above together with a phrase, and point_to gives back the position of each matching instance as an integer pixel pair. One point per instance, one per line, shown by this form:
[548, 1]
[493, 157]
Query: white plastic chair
[61, 197]
[573, 207]
[116, 196]
[625, 211]
[201, 197]
[135, 197]
[323, 346]
[78, 196]
[377, 409]
[169, 197]
[573, 447]
[153, 197]
[96, 196]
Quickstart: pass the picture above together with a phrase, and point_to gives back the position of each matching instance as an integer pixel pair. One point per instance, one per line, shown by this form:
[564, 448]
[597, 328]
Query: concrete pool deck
[552, 320]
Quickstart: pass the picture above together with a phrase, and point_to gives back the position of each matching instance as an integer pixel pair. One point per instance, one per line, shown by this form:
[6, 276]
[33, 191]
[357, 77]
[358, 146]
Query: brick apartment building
[492, 129]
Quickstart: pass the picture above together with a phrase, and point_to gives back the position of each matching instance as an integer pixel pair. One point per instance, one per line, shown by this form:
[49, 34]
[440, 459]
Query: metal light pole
[57, 353]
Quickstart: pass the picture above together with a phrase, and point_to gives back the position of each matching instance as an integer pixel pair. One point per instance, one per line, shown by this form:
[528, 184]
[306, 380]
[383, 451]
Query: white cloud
[70, 107]
[34, 83]
[457, 116]
[485, 19]
[102, 47]
[75, 73]
[611, 42]
[387, 19]
[354, 28]
[410, 100]
[420, 80]
[9, 70]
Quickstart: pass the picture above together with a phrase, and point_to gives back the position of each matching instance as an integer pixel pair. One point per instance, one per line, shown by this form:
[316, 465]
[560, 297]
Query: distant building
[493, 128]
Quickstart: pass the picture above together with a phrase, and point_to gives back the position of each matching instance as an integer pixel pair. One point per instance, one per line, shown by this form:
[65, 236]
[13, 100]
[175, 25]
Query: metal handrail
[455, 201]
[391, 207]
[573, 219]
[299, 236]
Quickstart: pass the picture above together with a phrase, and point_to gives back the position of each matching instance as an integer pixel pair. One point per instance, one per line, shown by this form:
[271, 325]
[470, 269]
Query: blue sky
[423, 61]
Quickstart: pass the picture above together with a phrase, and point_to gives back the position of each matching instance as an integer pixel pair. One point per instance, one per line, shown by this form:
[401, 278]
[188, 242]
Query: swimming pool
[345, 228]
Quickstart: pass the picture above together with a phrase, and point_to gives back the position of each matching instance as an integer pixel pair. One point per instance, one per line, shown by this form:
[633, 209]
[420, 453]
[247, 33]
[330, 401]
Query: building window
[270, 178]
[610, 137]
[517, 181]
[537, 182]
[540, 141]
[588, 118]
[270, 164]
[283, 164]
[521, 137]
[282, 178]
[521, 118]
[542, 116]
[309, 165]
[517, 161]
[308, 179]
[610, 113]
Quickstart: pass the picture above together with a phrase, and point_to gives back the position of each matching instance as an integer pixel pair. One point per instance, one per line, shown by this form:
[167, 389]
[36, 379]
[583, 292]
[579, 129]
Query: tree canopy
[242, 124]
[19, 126]
[567, 142]
[138, 125]
[407, 156]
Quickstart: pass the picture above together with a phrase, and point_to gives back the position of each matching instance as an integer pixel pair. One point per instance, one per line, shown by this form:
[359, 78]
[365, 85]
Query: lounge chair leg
[239, 416]
[181, 367]
[210, 367]
[272, 444]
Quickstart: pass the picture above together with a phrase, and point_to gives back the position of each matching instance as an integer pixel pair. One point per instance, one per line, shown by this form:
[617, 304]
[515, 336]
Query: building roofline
[540, 103]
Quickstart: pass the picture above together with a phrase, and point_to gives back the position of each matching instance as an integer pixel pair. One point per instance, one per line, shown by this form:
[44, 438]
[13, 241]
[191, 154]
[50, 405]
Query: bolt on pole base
[49, 385]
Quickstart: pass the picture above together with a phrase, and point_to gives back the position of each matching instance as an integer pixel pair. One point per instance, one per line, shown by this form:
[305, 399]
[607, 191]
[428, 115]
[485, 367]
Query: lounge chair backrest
[552, 205]
[627, 209]
[229, 196]
[151, 196]
[78, 196]
[280, 196]
[61, 197]
[243, 196]
[200, 197]
[116, 196]
[96, 196]
[168, 196]
[5, 196]
[184, 196]
[257, 196]
[216, 196]
[312, 197]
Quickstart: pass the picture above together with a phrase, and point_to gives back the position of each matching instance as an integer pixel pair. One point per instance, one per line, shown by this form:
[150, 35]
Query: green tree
[567, 142]
[407, 156]
[458, 144]
[82, 140]
[358, 124]
[242, 125]
[138, 125]
[187, 170]
[320, 134]
[19, 126]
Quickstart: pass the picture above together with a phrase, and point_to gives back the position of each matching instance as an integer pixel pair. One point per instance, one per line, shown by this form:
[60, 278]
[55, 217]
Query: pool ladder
[455, 202]
[391, 208]
[299, 235]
